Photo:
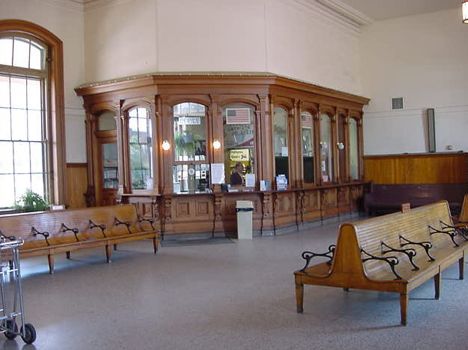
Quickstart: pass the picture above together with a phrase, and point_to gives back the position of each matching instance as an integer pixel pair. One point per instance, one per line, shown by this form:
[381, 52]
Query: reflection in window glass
[353, 149]
[239, 141]
[190, 172]
[307, 133]
[110, 165]
[280, 141]
[141, 151]
[106, 121]
[326, 152]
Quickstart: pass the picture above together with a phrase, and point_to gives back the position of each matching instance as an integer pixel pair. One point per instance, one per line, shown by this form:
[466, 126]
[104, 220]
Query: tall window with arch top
[24, 128]
[140, 143]
[326, 151]
[353, 149]
[280, 141]
[191, 168]
[307, 140]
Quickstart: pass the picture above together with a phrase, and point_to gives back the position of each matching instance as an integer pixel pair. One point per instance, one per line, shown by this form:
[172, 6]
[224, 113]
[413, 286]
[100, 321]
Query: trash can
[244, 210]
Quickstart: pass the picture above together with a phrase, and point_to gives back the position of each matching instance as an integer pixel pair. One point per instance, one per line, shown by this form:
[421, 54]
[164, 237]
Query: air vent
[397, 103]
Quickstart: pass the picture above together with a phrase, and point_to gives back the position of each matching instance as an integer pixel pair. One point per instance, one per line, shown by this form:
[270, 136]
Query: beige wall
[286, 37]
[66, 22]
[424, 60]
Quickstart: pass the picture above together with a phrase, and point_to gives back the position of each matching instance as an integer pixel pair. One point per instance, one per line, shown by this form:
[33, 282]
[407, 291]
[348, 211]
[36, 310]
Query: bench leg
[68, 255]
[346, 289]
[155, 245]
[115, 246]
[437, 282]
[50, 258]
[403, 307]
[299, 297]
[461, 266]
[108, 253]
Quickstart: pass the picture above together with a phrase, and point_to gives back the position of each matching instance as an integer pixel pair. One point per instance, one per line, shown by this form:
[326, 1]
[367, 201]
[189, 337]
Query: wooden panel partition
[427, 168]
[175, 186]
[77, 183]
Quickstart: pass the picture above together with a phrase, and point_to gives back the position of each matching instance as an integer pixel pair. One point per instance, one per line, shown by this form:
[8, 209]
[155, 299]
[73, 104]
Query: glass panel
[307, 125]
[6, 160]
[36, 157]
[19, 121]
[18, 92]
[280, 141]
[189, 132]
[4, 91]
[353, 149]
[37, 184]
[326, 161]
[239, 142]
[5, 129]
[22, 159]
[6, 53]
[191, 177]
[34, 94]
[109, 162]
[22, 184]
[21, 53]
[7, 189]
[36, 59]
[106, 121]
[140, 139]
[35, 125]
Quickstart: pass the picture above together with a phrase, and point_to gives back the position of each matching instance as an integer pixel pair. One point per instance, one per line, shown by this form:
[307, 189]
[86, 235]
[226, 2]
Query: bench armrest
[307, 256]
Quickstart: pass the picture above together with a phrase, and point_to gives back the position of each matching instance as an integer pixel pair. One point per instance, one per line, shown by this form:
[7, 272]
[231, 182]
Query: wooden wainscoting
[77, 182]
[425, 168]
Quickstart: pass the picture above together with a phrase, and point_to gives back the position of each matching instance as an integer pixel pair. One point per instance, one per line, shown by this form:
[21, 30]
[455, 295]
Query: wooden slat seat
[377, 239]
[49, 233]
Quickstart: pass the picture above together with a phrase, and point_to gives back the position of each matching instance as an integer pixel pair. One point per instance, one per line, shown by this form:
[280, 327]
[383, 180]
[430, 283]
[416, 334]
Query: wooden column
[167, 156]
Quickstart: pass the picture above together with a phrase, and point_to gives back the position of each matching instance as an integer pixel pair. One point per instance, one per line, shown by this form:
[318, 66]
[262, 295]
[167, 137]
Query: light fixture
[166, 145]
[216, 144]
[465, 11]
[340, 145]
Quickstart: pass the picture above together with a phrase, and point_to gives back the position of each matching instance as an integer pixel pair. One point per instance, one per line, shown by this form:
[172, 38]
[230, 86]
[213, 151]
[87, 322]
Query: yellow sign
[239, 155]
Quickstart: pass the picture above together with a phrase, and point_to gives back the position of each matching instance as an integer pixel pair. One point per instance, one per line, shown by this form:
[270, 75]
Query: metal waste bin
[244, 210]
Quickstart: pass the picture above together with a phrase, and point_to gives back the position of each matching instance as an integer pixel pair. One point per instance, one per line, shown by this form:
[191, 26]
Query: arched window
[280, 141]
[307, 138]
[191, 168]
[353, 149]
[140, 140]
[239, 141]
[31, 113]
[326, 152]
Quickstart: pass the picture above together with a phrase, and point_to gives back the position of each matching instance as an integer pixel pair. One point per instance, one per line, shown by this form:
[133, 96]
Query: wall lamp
[340, 146]
[216, 144]
[166, 146]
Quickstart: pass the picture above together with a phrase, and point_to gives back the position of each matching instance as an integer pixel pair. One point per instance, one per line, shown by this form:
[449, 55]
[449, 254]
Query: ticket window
[239, 140]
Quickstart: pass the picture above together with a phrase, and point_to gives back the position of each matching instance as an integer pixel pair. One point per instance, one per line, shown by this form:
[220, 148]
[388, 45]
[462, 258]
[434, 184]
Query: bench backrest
[368, 235]
[21, 225]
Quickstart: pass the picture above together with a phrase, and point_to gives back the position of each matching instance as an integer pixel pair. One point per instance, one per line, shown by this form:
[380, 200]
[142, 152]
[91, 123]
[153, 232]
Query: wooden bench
[64, 231]
[391, 253]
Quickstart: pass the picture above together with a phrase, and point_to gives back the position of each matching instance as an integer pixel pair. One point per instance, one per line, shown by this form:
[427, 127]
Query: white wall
[286, 37]
[424, 60]
[66, 22]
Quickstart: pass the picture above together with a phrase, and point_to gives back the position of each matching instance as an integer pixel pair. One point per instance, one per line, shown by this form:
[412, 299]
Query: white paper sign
[284, 151]
[217, 173]
[249, 180]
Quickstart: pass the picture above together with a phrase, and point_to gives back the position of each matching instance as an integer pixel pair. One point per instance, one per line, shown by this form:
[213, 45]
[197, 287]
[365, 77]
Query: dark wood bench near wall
[56, 232]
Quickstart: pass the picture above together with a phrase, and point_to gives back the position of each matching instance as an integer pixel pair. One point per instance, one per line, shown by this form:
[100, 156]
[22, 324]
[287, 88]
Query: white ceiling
[384, 9]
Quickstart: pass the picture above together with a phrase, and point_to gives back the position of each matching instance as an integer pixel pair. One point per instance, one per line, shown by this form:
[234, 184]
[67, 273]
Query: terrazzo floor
[227, 295]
